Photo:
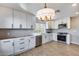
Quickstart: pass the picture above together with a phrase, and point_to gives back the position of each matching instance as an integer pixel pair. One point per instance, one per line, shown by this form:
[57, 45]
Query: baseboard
[75, 43]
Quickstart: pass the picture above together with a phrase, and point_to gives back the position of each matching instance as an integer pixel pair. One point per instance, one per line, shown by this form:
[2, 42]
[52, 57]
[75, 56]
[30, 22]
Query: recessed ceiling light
[77, 13]
[74, 4]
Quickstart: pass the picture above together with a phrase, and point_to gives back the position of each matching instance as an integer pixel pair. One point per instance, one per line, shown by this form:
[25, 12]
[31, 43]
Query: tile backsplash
[15, 33]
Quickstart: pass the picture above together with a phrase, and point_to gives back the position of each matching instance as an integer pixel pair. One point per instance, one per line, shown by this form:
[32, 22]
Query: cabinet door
[68, 39]
[32, 42]
[19, 19]
[56, 25]
[30, 21]
[19, 45]
[68, 23]
[5, 17]
[43, 39]
[47, 38]
[26, 44]
[53, 25]
[7, 47]
[50, 37]
[54, 36]
[46, 25]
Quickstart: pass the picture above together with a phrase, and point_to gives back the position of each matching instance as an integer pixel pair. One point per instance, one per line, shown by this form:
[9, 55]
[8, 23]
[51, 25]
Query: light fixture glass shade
[45, 14]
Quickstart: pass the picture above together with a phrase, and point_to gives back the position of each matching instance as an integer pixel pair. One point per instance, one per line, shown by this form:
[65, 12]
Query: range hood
[49, 30]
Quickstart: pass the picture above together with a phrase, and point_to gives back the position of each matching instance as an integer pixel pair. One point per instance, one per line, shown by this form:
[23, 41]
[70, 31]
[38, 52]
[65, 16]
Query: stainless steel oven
[62, 37]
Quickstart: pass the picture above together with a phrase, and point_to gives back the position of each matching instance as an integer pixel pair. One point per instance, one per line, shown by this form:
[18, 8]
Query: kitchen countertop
[2, 38]
[8, 37]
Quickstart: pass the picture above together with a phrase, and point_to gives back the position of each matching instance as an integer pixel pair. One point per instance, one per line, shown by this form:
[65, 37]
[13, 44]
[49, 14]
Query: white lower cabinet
[32, 42]
[23, 44]
[6, 47]
[68, 39]
[54, 36]
[16, 45]
[50, 37]
[47, 37]
[26, 43]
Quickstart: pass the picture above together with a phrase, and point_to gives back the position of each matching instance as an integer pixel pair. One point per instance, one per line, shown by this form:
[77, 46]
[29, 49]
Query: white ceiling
[66, 9]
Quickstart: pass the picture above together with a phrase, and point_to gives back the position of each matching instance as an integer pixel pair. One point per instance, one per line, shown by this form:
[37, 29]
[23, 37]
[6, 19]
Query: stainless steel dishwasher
[38, 40]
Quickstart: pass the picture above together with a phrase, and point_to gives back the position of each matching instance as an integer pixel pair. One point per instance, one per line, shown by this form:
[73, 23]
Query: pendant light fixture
[45, 14]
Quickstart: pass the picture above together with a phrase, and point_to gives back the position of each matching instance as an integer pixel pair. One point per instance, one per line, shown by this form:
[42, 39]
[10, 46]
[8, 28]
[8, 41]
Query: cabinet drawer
[22, 43]
[19, 48]
[18, 44]
[20, 40]
[32, 37]
[7, 41]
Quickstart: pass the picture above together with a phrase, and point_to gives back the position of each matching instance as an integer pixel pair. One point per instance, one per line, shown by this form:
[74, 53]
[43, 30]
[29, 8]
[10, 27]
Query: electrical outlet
[8, 33]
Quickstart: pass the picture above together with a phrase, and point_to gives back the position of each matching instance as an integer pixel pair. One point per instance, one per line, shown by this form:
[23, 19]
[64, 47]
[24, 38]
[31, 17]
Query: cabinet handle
[45, 37]
[21, 48]
[32, 37]
[29, 40]
[20, 25]
[21, 39]
[13, 44]
[22, 43]
[6, 41]
[12, 25]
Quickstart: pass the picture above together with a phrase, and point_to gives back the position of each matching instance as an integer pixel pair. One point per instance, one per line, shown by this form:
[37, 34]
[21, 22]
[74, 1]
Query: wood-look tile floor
[53, 49]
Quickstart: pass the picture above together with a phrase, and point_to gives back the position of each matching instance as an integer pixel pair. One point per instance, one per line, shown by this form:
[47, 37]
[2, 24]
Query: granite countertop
[8, 37]
[1, 38]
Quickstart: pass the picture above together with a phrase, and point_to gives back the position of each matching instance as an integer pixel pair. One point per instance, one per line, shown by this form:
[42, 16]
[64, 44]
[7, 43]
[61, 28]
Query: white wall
[75, 30]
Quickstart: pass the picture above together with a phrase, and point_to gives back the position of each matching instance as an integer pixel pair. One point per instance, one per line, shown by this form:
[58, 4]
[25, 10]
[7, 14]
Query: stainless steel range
[62, 37]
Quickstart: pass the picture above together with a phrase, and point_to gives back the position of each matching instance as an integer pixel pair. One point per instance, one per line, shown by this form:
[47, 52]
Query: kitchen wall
[75, 30]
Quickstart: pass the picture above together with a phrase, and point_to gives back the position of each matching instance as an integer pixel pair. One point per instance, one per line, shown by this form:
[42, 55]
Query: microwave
[62, 26]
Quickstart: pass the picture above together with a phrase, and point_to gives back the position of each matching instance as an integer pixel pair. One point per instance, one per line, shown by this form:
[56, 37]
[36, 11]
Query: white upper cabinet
[49, 25]
[68, 23]
[11, 18]
[56, 24]
[30, 21]
[5, 17]
[19, 19]
[46, 26]
[23, 20]
[61, 21]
